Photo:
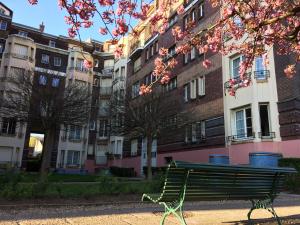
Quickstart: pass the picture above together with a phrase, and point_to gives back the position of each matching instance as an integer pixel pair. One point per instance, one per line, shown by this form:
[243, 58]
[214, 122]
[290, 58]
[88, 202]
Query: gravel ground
[204, 213]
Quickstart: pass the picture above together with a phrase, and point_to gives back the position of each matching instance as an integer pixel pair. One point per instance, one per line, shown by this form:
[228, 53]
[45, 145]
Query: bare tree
[25, 99]
[143, 117]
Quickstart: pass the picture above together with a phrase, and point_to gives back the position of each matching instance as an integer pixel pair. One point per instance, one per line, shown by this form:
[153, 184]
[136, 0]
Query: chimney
[42, 27]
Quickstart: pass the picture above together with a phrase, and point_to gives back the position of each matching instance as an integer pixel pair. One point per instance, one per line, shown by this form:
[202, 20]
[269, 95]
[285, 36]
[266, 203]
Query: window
[193, 53]
[186, 58]
[123, 71]
[96, 82]
[264, 120]
[186, 93]
[173, 20]
[201, 86]
[55, 82]
[52, 43]
[73, 158]
[152, 50]
[16, 71]
[171, 51]
[134, 147]
[75, 132]
[20, 50]
[193, 16]
[42, 80]
[201, 10]
[137, 64]
[172, 84]
[8, 126]
[96, 63]
[103, 128]
[195, 132]
[23, 33]
[80, 64]
[109, 63]
[243, 123]
[92, 125]
[237, 21]
[147, 54]
[57, 61]
[1, 47]
[45, 59]
[235, 66]
[3, 25]
[260, 69]
[185, 22]
[135, 91]
[193, 89]
[156, 47]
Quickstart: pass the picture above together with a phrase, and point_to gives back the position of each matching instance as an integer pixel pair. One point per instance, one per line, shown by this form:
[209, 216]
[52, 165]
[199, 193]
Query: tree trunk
[46, 155]
[149, 157]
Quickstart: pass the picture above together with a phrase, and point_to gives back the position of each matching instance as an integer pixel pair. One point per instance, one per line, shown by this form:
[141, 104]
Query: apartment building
[263, 117]
[194, 124]
[56, 61]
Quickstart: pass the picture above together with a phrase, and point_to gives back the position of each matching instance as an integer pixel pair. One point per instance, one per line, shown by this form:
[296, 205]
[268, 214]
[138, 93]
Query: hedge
[122, 171]
[290, 162]
[293, 181]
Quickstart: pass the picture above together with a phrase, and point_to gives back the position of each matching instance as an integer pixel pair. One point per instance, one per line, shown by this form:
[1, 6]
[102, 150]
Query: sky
[47, 11]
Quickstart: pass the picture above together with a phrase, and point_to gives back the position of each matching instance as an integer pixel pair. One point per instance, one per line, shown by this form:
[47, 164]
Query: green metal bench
[204, 182]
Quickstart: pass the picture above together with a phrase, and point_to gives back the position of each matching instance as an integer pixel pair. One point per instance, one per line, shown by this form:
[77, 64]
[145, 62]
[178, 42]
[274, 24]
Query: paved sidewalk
[204, 213]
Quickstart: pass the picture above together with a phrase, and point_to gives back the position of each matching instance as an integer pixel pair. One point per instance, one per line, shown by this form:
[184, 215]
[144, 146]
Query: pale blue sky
[48, 12]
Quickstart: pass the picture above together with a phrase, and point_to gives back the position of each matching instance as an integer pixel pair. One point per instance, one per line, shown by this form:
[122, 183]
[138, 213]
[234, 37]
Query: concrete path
[204, 213]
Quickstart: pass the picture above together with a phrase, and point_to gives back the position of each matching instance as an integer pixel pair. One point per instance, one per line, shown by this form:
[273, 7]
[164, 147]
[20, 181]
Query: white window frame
[45, 59]
[240, 57]
[245, 133]
[57, 61]
[193, 89]
[73, 152]
[52, 43]
[186, 97]
[201, 10]
[23, 33]
[201, 86]
[193, 53]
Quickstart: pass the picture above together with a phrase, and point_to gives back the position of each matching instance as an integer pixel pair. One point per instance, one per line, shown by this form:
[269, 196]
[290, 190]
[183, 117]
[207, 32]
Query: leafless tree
[26, 100]
[143, 117]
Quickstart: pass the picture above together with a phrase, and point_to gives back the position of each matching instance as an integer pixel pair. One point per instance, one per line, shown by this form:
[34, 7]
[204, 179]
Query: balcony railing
[241, 137]
[261, 74]
[79, 69]
[105, 90]
[19, 56]
[108, 71]
[266, 135]
[237, 82]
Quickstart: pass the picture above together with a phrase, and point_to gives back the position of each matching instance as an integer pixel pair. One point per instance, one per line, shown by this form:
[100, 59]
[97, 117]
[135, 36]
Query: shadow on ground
[294, 219]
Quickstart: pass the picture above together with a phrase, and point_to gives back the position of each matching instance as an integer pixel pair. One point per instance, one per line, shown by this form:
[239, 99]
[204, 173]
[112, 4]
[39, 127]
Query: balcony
[105, 91]
[237, 82]
[18, 56]
[135, 49]
[261, 75]
[108, 71]
[79, 69]
[266, 135]
[117, 79]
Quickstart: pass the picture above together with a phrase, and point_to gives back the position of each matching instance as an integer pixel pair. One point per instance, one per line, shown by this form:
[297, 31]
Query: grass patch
[59, 186]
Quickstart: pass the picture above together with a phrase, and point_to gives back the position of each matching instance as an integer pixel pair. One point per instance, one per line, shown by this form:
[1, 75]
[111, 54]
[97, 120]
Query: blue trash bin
[264, 159]
[219, 159]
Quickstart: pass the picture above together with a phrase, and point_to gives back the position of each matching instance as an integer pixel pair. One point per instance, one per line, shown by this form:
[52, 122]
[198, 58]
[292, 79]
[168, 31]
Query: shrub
[33, 165]
[155, 170]
[293, 181]
[122, 171]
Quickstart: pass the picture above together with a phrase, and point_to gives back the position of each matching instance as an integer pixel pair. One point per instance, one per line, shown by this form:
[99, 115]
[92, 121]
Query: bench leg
[263, 204]
[176, 210]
